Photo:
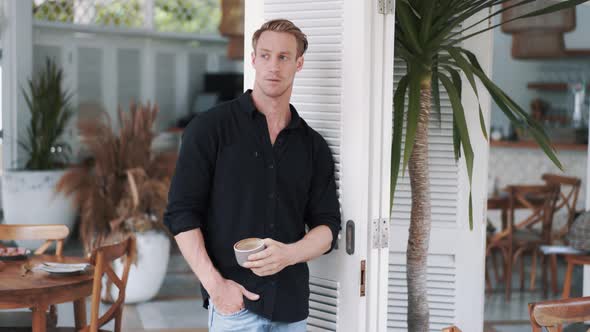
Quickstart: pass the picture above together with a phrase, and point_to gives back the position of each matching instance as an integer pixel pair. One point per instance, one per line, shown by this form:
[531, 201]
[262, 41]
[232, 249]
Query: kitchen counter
[534, 145]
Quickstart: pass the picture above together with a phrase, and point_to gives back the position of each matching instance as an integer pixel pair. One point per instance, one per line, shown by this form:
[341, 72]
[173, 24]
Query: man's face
[275, 61]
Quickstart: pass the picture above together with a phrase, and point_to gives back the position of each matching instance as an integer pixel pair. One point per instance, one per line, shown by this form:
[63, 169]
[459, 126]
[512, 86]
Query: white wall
[513, 75]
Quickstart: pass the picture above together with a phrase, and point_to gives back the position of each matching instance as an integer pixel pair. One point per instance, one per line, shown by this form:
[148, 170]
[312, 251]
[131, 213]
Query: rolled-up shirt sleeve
[323, 207]
[189, 189]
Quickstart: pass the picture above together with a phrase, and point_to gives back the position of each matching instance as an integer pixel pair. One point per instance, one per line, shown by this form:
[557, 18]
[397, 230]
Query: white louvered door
[456, 254]
[333, 93]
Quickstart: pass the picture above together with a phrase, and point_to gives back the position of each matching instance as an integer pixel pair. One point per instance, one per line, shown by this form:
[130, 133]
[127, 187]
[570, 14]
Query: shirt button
[256, 154]
[271, 166]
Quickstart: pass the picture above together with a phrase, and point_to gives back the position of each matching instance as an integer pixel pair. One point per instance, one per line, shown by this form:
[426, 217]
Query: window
[187, 16]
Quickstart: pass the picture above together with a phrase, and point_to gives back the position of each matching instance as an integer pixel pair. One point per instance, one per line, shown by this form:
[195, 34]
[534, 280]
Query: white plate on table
[64, 269]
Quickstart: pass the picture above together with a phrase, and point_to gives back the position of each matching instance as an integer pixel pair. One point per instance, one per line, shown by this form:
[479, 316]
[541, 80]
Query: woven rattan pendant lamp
[232, 26]
[541, 36]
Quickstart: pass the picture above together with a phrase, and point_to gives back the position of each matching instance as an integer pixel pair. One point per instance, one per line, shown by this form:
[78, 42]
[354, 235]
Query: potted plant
[425, 39]
[29, 195]
[121, 190]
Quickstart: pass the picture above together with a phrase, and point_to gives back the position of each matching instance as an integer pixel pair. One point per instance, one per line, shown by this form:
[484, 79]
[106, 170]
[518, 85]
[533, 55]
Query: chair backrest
[540, 200]
[451, 329]
[102, 259]
[552, 314]
[49, 233]
[568, 198]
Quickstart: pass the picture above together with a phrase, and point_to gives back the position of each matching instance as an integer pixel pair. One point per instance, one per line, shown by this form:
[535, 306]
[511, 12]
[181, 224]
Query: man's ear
[300, 63]
[253, 56]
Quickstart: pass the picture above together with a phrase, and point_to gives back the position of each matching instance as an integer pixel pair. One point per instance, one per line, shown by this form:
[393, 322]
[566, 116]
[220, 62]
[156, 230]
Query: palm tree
[425, 39]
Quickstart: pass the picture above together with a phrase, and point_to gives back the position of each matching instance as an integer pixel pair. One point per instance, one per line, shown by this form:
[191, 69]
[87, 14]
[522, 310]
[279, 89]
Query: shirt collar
[247, 105]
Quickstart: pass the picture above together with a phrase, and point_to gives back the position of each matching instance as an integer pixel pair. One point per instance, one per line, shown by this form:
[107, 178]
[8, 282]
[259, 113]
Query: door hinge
[380, 231]
[385, 6]
[363, 277]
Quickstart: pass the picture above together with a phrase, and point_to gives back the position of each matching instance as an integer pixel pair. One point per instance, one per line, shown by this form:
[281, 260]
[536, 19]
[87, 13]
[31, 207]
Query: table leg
[80, 313]
[39, 322]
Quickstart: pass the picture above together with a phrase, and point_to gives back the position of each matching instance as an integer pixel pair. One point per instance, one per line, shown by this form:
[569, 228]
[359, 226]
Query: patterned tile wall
[526, 165]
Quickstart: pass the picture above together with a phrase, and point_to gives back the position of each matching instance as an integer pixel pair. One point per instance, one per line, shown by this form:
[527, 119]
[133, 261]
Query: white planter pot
[29, 197]
[145, 277]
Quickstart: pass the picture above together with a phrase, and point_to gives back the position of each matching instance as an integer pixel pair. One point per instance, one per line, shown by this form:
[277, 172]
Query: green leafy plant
[427, 40]
[49, 108]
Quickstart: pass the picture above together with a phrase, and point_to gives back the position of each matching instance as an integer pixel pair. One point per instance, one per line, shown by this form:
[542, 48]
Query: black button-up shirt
[232, 183]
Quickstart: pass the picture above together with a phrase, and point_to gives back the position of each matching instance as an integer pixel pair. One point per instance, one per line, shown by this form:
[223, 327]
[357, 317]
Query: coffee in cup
[246, 247]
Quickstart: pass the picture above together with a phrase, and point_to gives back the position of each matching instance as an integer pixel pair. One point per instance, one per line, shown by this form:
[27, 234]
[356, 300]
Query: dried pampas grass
[123, 186]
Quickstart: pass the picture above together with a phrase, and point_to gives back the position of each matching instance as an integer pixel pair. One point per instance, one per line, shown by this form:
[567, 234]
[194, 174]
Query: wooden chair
[513, 242]
[568, 198]
[491, 254]
[451, 329]
[102, 259]
[49, 233]
[553, 314]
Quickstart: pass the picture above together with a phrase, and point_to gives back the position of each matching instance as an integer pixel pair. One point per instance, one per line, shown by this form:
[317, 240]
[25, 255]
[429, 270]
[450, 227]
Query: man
[252, 167]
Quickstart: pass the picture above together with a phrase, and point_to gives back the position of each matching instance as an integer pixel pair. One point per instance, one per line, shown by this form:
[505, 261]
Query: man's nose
[275, 65]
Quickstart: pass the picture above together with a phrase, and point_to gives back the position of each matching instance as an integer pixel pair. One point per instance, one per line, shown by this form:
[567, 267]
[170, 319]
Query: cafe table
[35, 289]
[501, 202]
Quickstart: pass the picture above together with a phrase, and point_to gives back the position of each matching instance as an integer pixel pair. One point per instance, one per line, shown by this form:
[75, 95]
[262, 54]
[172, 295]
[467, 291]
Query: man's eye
[282, 57]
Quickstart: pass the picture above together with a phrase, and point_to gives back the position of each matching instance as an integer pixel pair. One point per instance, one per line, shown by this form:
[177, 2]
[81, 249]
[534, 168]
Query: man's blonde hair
[283, 25]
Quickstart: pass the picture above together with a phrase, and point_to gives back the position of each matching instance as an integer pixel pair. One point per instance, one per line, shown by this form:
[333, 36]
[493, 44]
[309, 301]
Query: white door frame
[379, 195]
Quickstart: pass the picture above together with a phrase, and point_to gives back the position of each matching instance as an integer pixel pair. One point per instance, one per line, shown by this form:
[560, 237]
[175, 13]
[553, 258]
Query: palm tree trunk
[417, 252]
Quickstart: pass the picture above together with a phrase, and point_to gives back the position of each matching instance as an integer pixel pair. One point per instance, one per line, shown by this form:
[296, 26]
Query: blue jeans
[247, 321]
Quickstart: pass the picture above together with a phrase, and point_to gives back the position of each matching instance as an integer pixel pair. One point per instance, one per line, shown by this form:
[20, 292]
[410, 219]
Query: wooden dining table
[21, 287]
[502, 202]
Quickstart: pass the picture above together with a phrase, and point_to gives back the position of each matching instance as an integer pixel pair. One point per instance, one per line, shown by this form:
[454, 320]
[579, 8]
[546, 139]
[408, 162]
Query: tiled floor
[177, 307]
[512, 316]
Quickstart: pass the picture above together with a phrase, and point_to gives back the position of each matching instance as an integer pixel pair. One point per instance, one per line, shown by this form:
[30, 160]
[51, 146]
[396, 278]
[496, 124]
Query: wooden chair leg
[521, 272]
[119, 319]
[52, 316]
[568, 280]
[533, 270]
[554, 274]
[508, 279]
[495, 267]
[487, 278]
[544, 281]
[519, 255]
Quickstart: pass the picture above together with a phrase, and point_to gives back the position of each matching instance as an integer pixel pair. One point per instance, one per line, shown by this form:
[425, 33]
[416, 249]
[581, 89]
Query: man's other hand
[227, 297]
